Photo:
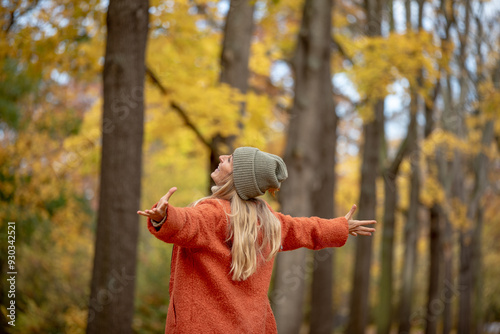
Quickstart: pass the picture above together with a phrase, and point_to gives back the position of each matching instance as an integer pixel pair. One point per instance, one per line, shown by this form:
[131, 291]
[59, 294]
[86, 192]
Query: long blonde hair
[255, 232]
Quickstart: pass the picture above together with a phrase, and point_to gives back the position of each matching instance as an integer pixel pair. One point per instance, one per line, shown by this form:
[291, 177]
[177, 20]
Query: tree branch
[180, 111]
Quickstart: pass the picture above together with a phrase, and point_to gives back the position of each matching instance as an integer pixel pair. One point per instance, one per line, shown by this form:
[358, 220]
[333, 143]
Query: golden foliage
[379, 62]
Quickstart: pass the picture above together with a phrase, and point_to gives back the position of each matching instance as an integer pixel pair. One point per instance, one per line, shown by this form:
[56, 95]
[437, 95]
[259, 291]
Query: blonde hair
[254, 230]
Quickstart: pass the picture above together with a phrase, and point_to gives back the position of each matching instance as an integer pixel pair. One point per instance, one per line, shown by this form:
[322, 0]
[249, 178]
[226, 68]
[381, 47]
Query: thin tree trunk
[368, 201]
[470, 237]
[310, 157]
[436, 231]
[235, 55]
[434, 302]
[373, 136]
[411, 230]
[111, 303]
[477, 277]
[384, 309]
[323, 206]
[447, 256]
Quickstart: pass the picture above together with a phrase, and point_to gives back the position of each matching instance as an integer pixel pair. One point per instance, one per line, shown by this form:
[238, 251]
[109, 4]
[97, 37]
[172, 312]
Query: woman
[224, 246]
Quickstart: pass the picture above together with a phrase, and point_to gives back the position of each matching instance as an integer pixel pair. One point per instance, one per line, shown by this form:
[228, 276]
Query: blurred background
[389, 104]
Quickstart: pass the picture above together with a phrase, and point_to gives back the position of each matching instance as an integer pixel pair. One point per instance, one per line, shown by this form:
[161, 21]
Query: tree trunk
[465, 284]
[367, 210]
[323, 203]
[310, 158]
[384, 309]
[477, 276]
[112, 291]
[373, 136]
[235, 55]
[470, 237]
[410, 256]
[447, 292]
[434, 300]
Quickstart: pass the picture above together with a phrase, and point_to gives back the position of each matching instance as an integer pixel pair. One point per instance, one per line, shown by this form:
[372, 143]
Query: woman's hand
[355, 227]
[159, 211]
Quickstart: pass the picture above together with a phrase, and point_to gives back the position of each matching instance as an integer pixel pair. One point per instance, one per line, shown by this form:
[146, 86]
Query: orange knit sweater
[203, 297]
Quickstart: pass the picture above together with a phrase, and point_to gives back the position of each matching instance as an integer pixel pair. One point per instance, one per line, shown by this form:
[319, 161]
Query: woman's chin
[214, 175]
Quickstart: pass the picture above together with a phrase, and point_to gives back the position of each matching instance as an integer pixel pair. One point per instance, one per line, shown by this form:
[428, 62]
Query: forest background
[389, 104]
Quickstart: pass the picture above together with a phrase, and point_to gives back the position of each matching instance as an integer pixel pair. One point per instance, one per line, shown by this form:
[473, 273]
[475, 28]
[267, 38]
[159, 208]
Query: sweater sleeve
[313, 233]
[192, 226]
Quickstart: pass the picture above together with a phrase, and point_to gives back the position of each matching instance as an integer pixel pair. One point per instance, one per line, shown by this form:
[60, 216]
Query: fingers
[162, 207]
[151, 214]
[170, 192]
[146, 213]
[359, 229]
[348, 216]
[162, 204]
[159, 210]
[142, 213]
[364, 233]
[364, 222]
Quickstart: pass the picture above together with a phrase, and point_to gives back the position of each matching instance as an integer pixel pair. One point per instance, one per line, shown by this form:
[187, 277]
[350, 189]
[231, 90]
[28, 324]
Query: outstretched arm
[317, 233]
[196, 226]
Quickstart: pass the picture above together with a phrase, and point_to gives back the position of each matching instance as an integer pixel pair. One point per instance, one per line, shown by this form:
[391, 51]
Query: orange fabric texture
[203, 297]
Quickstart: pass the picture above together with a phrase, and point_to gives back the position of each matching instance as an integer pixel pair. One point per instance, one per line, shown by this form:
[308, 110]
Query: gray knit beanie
[255, 172]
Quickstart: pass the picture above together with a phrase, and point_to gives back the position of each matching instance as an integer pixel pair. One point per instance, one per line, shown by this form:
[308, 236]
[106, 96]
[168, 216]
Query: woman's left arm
[317, 233]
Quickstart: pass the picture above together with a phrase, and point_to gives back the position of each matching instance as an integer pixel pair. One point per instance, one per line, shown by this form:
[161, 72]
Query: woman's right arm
[188, 227]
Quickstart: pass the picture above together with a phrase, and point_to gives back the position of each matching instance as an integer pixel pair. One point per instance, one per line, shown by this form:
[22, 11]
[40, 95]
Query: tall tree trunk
[412, 223]
[323, 203]
[367, 210]
[113, 279]
[477, 277]
[235, 55]
[384, 309]
[373, 136]
[450, 186]
[447, 256]
[469, 237]
[310, 157]
[434, 302]
[436, 231]
[410, 231]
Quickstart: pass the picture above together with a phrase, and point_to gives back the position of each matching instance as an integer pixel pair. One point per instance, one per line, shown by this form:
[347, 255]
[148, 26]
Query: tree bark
[436, 232]
[310, 158]
[411, 231]
[434, 301]
[373, 136]
[367, 210]
[470, 237]
[235, 55]
[384, 309]
[111, 303]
